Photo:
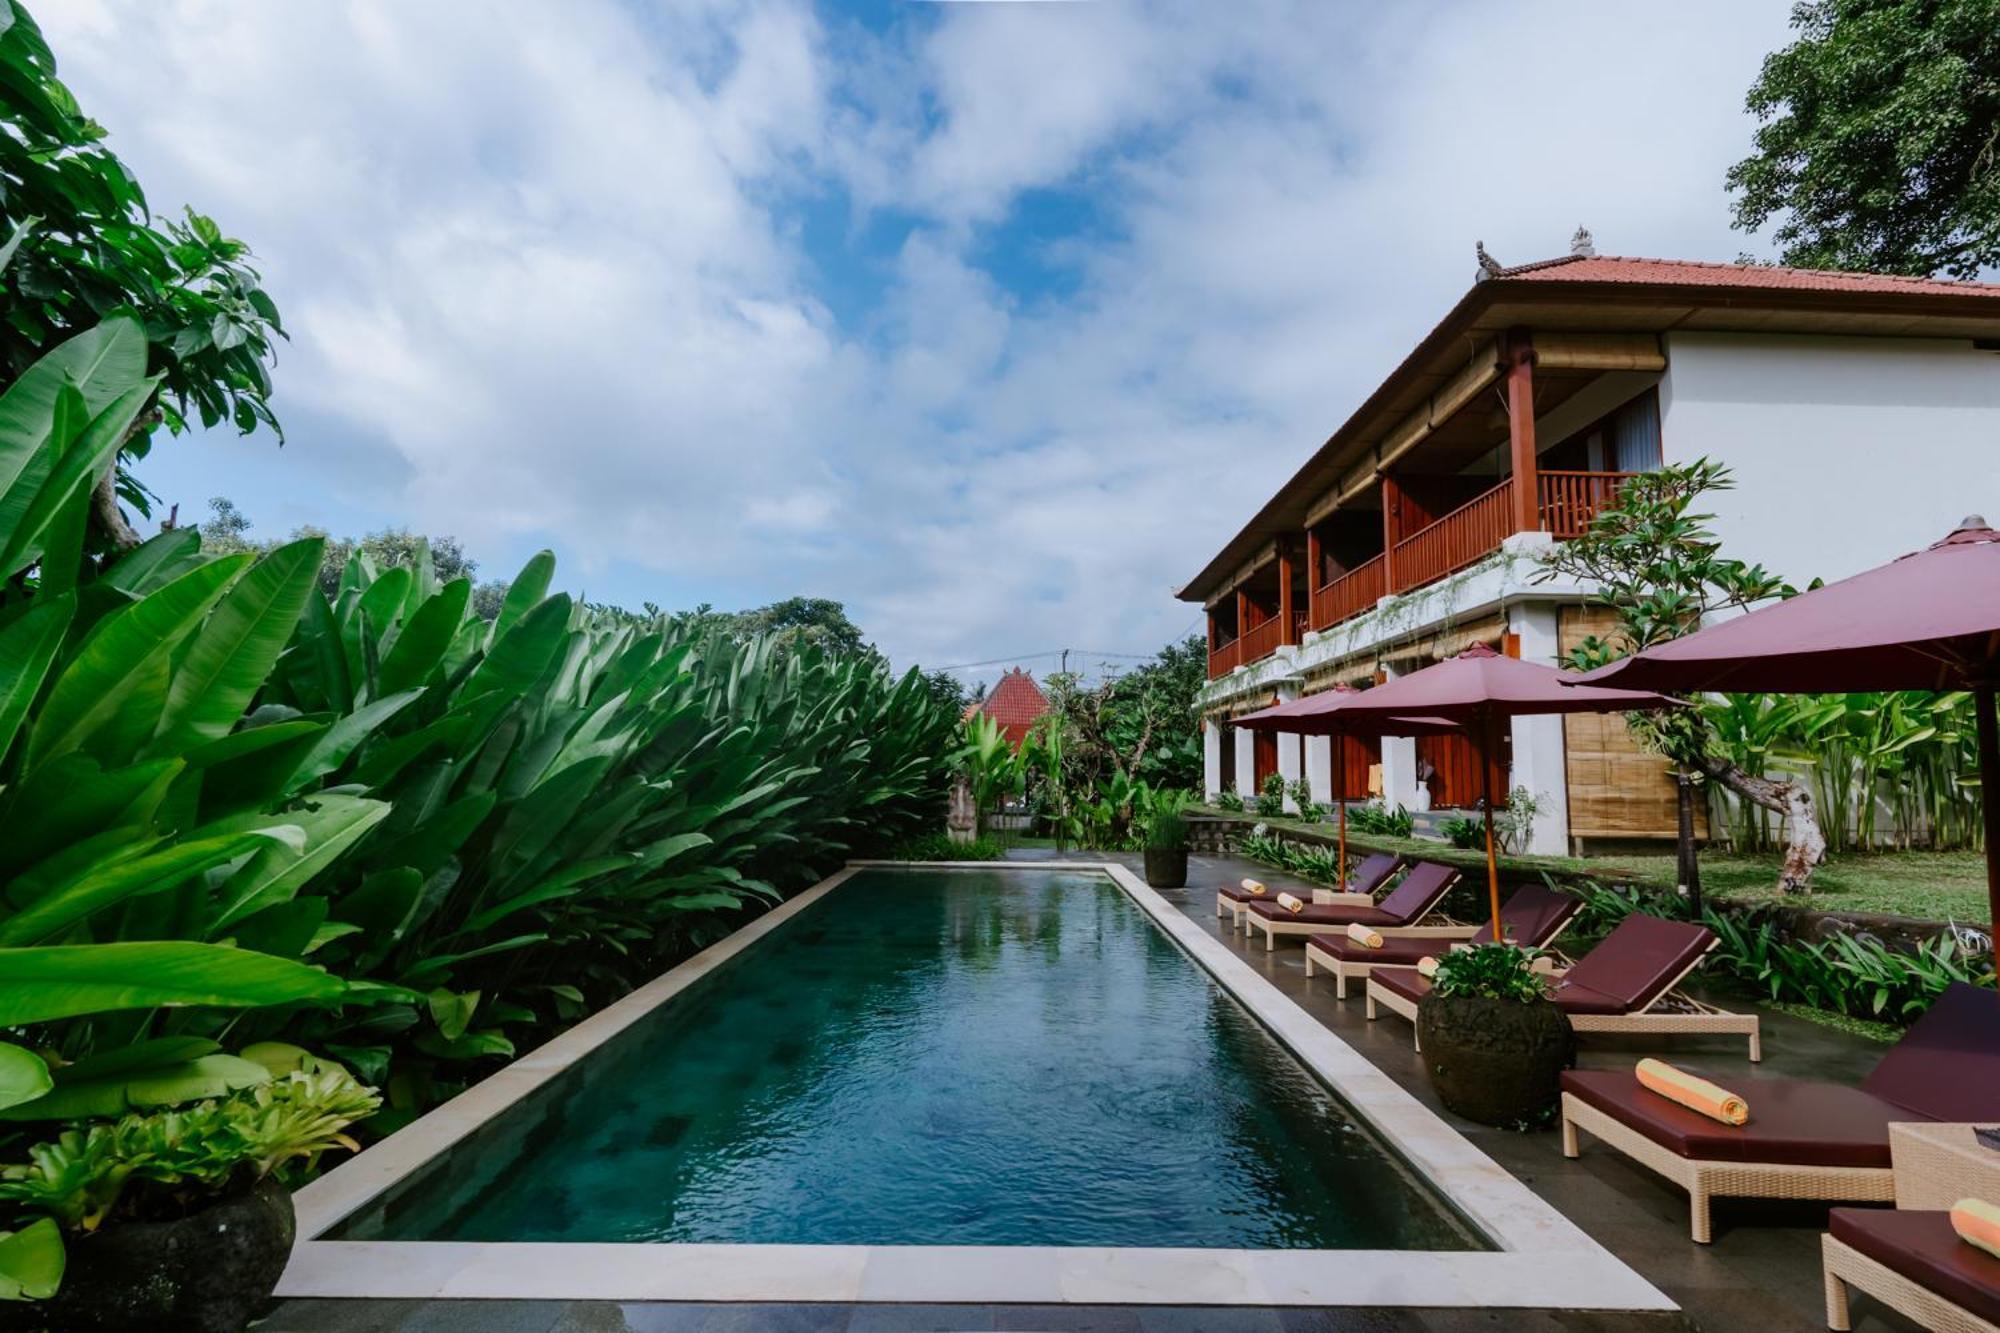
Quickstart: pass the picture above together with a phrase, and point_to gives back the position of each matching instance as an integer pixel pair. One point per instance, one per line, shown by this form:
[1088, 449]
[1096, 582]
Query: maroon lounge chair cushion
[1369, 876]
[1395, 951]
[1576, 1000]
[1409, 902]
[1411, 984]
[1922, 1246]
[1947, 1066]
[1533, 915]
[1633, 966]
[1792, 1120]
[1326, 914]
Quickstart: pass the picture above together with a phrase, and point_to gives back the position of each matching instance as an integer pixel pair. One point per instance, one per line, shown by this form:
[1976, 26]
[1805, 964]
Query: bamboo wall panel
[1616, 789]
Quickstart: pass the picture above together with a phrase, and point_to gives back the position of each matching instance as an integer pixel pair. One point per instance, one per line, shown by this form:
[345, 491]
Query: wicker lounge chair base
[1704, 1180]
[1438, 928]
[1848, 1267]
[1705, 1021]
[1239, 908]
[1349, 970]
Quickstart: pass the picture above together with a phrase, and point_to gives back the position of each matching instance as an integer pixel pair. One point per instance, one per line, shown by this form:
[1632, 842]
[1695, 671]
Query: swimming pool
[936, 1058]
[1028, 1083]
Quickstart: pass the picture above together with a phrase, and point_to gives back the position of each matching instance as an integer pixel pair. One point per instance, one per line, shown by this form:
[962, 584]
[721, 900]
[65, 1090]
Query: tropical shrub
[1490, 972]
[1304, 859]
[1270, 801]
[1230, 801]
[1379, 819]
[1301, 793]
[1851, 974]
[1159, 822]
[1463, 833]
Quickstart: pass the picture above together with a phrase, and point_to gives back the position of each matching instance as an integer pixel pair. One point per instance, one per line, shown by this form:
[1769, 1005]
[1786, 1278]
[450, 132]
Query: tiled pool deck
[1761, 1273]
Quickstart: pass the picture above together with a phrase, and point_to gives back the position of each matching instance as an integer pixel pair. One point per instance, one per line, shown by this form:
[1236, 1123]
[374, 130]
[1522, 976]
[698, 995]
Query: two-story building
[1859, 413]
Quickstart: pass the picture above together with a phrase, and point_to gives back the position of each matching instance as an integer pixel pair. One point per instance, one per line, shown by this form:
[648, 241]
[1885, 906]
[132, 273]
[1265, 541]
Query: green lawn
[1940, 886]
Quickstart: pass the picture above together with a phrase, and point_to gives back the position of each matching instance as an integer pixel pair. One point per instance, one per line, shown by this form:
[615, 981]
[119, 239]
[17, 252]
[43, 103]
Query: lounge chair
[1914, 1263]
[1362, 886]
[1532, 918]
[1402, 912]
[1804, 1140]
[1627, 984]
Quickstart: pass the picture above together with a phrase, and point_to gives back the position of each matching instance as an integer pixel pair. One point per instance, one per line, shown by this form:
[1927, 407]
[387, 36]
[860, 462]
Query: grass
[1866, 1028]
[1936, 886]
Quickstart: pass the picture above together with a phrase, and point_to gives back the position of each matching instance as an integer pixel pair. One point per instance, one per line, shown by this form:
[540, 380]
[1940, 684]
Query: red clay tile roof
[1692, 273]
[1015, 702]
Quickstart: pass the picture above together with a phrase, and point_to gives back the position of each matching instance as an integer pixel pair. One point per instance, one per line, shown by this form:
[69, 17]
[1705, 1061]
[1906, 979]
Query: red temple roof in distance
[1015, 702]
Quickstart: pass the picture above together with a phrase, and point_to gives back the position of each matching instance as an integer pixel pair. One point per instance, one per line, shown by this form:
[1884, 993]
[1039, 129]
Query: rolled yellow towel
[1427, 967]
[1290, 903]
[1697, 1094]
[1253, 887]
[1363, 936]
[1977, 1222]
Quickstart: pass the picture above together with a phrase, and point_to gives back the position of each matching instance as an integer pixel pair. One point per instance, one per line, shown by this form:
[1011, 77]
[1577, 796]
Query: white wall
[1211, 758]
[1846, 451]
[1539, 762]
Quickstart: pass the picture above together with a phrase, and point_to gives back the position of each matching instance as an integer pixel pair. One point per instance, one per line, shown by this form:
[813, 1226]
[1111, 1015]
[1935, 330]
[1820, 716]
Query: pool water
[956, 1057]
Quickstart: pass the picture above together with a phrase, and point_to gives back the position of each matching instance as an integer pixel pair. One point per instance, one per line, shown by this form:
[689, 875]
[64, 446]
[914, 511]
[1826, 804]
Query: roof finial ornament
[1489, 267]
[1581, 245]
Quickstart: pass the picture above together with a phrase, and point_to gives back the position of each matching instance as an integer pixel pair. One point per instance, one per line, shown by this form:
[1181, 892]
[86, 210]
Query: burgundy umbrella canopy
[1327, 714]
[1476, 689]
[1927, 621]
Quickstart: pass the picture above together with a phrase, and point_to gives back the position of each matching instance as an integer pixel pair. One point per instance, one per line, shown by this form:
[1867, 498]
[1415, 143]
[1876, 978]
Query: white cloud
[548, 279]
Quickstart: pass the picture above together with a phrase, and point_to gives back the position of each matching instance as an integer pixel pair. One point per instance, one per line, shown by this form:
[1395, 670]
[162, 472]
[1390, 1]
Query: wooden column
[1211, 631]
[1521, 430]
[1392, 528]
[1287, 627]
[1313, 562]
[1242, 612]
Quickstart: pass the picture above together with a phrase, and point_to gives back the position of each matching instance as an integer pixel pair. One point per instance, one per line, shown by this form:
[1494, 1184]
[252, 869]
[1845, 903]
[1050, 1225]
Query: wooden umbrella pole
[1989, 775]
[1492, 862]
[1340, 799]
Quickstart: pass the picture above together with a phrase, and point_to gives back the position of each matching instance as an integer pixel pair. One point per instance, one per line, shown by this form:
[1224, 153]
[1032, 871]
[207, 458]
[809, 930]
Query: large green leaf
[426, 635]
[105, 885]
[340, 740]
[82, 1092]
[226, 662]
[155, 562]
[101, 363]
[526, 592]
[117, 656]
[72, 477]
[519, 657]
[31, 1261]
[27, 648]
[62, 981]
[24, 1075]
[331, 825]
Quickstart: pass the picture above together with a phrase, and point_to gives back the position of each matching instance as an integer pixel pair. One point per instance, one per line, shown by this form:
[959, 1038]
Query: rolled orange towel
[1290, 903]
[1977, 1222]
[1697, 1094]
[1253, 887]
[1427, 967]
[1363, 936]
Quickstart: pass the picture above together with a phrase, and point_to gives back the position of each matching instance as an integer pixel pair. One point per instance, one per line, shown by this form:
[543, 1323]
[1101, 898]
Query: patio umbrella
[1325, 714]
[1478, 688]
[1927, 621]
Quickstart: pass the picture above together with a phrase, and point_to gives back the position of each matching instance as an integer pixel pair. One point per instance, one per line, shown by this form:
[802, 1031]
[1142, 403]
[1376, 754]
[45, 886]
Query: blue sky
[990, 320]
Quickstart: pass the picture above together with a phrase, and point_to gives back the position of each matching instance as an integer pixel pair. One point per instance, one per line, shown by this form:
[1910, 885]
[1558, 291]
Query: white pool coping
[1544, 1261]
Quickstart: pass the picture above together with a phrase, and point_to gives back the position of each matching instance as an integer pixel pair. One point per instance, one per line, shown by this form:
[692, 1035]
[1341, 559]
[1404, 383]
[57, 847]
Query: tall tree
[80, 243]
[1878, 144]
[1659, 565]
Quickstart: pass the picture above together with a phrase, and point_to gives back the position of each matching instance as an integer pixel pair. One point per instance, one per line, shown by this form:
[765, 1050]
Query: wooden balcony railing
[1569, 500]
[1468, 533]
[1349, 595]
[1261, 640]
[1224, 658]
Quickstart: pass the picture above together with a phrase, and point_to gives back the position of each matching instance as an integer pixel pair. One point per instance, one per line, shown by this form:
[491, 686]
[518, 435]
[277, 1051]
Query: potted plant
[1164, 838]
[174, 1219]
[1493, 1041]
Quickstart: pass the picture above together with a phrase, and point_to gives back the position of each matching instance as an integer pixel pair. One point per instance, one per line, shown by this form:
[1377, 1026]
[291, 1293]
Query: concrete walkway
[1762, 1273]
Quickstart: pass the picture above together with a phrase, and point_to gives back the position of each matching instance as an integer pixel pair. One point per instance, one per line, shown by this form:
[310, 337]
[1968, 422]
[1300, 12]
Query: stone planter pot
[208, 1273]
[1166, 869]
[1498, 1062]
